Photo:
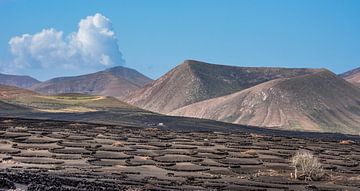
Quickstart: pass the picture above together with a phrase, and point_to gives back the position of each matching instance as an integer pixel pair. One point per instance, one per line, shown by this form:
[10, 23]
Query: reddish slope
[9, 92]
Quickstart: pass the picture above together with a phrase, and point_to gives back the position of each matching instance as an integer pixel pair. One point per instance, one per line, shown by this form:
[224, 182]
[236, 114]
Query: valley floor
[55, 155]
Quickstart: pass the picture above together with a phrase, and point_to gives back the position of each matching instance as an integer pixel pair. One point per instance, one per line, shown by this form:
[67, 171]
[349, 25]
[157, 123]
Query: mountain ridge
[21, 81]
[117, 81]
[194, 81]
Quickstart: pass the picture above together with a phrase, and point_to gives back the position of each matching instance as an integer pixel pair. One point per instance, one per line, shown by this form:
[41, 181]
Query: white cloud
[93, 46]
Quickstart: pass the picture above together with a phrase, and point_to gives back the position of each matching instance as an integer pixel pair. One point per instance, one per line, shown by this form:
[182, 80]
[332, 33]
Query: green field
[69, 103]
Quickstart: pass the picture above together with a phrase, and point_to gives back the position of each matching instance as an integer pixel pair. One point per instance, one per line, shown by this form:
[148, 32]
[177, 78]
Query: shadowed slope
[9, 108]
[195, 81]
[319, 102]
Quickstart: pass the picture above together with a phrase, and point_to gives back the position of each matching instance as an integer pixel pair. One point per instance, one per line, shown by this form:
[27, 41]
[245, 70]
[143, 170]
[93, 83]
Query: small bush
[117, 144]
[347, 142]
[307, 166]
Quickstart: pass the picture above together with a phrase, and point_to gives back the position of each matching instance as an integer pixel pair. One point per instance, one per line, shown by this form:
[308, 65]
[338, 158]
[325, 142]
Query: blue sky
[154, 36]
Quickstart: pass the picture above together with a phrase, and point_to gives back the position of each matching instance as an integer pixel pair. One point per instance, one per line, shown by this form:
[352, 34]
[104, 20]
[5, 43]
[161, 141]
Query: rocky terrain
[18, 81]
[194, 81]
[116, 82]
[315, 102]
[55, 155]
[353, 76]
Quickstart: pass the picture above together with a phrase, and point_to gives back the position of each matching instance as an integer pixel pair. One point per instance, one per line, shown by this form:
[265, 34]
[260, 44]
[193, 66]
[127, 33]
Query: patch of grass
[74, 97]
[70, 103]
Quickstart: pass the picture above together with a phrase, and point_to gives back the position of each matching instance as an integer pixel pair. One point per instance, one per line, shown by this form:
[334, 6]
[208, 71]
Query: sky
[47, 39]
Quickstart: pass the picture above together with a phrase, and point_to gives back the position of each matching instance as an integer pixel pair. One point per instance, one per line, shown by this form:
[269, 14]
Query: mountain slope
[10, 92]
[18, 81]
[70, 103]
[129, 74]
[117, 82]
[318, 102]
[195, 81]
[352, 76]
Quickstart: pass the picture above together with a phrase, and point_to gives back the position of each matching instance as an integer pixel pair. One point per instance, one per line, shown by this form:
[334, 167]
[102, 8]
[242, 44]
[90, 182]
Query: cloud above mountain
[93, 46]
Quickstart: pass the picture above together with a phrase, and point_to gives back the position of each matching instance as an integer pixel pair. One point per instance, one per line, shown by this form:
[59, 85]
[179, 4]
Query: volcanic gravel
[55, 155]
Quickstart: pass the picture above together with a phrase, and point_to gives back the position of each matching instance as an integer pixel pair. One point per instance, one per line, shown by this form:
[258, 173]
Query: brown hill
[129, 74]
[319, 102]
[195, 81]
[10, 92]
[117, 82]
[18, 81]
[352, 76]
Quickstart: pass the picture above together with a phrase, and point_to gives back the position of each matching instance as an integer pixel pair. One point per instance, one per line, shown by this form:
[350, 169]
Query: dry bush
[251, 152]
[307, 166]
[117, 144]
[17, 129]
[347, 142]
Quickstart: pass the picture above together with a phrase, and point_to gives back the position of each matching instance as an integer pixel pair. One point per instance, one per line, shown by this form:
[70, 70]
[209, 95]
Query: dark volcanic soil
[55, 155]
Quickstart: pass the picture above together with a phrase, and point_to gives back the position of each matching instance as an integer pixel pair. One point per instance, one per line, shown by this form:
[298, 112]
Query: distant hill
[352, 76]
[194, 81]
[18, 81]
[117, 82]
[317, 102]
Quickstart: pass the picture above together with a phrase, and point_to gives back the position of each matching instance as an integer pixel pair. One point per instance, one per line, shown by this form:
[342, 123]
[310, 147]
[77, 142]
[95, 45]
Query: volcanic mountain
[318, 102]
[352, 76]
[117, 82]
[18, 81]
[195, 81]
